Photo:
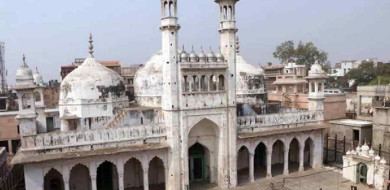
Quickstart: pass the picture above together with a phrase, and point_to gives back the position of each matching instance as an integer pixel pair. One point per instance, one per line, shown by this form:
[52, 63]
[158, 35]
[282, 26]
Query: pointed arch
[79, 177]
[156, 174]
[293, 155]
[53, 180]
[260, 160]
[308, 153]
[133, 174]
[242, 164]
[277, 159]
[107, 176]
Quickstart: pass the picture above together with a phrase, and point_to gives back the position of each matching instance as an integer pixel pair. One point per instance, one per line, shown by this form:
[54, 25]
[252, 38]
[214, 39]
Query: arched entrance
[197, 158]
[53, 180]
[133, 177]
[79, 178]
[156, 174]
[361, 173]
[243, 165]
[293, 156]
[107, 176]
[203, 142]
[308, 153]
[277, 160]
[260, 159]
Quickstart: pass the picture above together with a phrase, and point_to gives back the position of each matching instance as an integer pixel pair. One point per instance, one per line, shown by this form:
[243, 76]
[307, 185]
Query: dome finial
[192, 48]
[211, 50]
[201, 49]
[90, 45]
[24, 61]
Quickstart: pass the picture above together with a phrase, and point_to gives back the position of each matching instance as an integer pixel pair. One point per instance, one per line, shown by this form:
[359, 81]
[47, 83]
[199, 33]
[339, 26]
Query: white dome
[24, 76]
[92, 82]
[316, 71]
[38, 79]
[249, 81]
[148, 82]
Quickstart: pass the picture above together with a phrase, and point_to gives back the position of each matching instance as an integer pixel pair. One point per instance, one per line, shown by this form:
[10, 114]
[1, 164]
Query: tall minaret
[170, 98]
[228, 32]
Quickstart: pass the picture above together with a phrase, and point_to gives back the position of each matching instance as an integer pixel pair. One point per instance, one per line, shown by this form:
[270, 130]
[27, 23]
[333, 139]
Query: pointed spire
[36, 68]
[24, 64]
[184, 49]
[192, 49]
[90, 45]
[211, 50]
[237, 45]
[201, 49]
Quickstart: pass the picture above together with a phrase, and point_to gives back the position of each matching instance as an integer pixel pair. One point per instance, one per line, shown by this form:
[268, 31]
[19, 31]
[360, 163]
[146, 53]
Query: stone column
[286, 151]
[251, 167]
[316, 87]
[269, 163]
[301, 159]
[66, 184]
[120, 168]
[92, 172]
[146, 178]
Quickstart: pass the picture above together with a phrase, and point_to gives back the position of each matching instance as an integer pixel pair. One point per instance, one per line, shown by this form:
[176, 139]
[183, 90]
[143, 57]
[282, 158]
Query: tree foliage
[367, 74]
[304, 54]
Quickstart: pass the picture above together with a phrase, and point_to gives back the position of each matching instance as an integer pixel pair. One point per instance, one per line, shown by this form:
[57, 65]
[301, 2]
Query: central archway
[277, 158]
[203, 143]
[53, 180]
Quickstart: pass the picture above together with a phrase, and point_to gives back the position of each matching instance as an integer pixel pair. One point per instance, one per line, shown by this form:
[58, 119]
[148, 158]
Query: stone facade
[182, 128]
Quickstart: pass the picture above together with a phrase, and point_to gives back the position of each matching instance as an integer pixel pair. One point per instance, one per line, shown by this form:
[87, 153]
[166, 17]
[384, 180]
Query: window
[37, 96]
[221, 82]
[50, 124]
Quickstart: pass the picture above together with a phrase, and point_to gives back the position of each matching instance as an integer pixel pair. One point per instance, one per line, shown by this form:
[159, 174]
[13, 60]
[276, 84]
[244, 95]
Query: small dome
[24, 75]
[383, 161]
[184, 56]
[377, 158]
[219, 57]
[148, 82]
[211, 56]
[348, 152]
[38, 80]
[371, 152]
[193, 56]
[316, 71]
[365, 147]
[202, 56]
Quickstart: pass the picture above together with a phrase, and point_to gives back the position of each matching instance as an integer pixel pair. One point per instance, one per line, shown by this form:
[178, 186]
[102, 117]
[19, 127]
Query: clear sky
[52, 32]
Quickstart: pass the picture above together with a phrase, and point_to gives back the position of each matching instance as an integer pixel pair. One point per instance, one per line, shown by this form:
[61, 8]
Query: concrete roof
[23, 157]
[352, 122]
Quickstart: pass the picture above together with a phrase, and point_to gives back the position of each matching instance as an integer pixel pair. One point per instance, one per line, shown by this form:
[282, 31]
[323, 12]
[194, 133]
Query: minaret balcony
[169, 22]
[228, 25]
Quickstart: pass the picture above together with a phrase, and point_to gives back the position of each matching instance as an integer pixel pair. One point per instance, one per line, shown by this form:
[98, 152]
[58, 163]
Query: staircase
[119, 117]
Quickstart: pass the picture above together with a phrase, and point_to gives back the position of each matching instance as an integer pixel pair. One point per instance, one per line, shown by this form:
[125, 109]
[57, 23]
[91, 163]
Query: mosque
[198, 117]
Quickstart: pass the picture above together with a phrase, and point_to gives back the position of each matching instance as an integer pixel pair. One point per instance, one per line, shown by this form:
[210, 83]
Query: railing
[65, 140]
[13, 178]
[246, 123]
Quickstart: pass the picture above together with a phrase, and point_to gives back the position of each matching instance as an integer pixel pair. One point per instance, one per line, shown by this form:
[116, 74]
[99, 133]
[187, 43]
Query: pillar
[66, 184]
[65, 176]
[316, 87]
[269, 163]
[301, 159]
[251, 167]
[146, 178]
[92, 173]
[286, 151]
[120, 168]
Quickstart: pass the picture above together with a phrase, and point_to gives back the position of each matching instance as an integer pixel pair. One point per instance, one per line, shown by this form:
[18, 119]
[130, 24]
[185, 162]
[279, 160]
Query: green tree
[363, 74]
[304, 54]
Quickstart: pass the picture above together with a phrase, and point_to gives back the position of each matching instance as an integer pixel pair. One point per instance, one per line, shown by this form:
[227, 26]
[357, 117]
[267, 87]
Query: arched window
[224, 13]
[37, 96]
[230, 13]
[213, 83]
[221, 82]
[166, 9]
[320, 87]
[195, 84]
[203, 83]
[313, 88]
[171, 8]
[186, 87]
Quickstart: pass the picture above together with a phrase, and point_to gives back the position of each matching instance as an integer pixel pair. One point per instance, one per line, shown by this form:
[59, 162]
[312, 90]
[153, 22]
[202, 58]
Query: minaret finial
[237, 45]
[211, 50]
[24, 61]
[183, 48]
[90, 45]
[192, 48]
[201, 48]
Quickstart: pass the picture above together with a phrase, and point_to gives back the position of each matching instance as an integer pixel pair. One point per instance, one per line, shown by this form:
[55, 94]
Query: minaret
[25, 90]
[228, 30]
[170, 98]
